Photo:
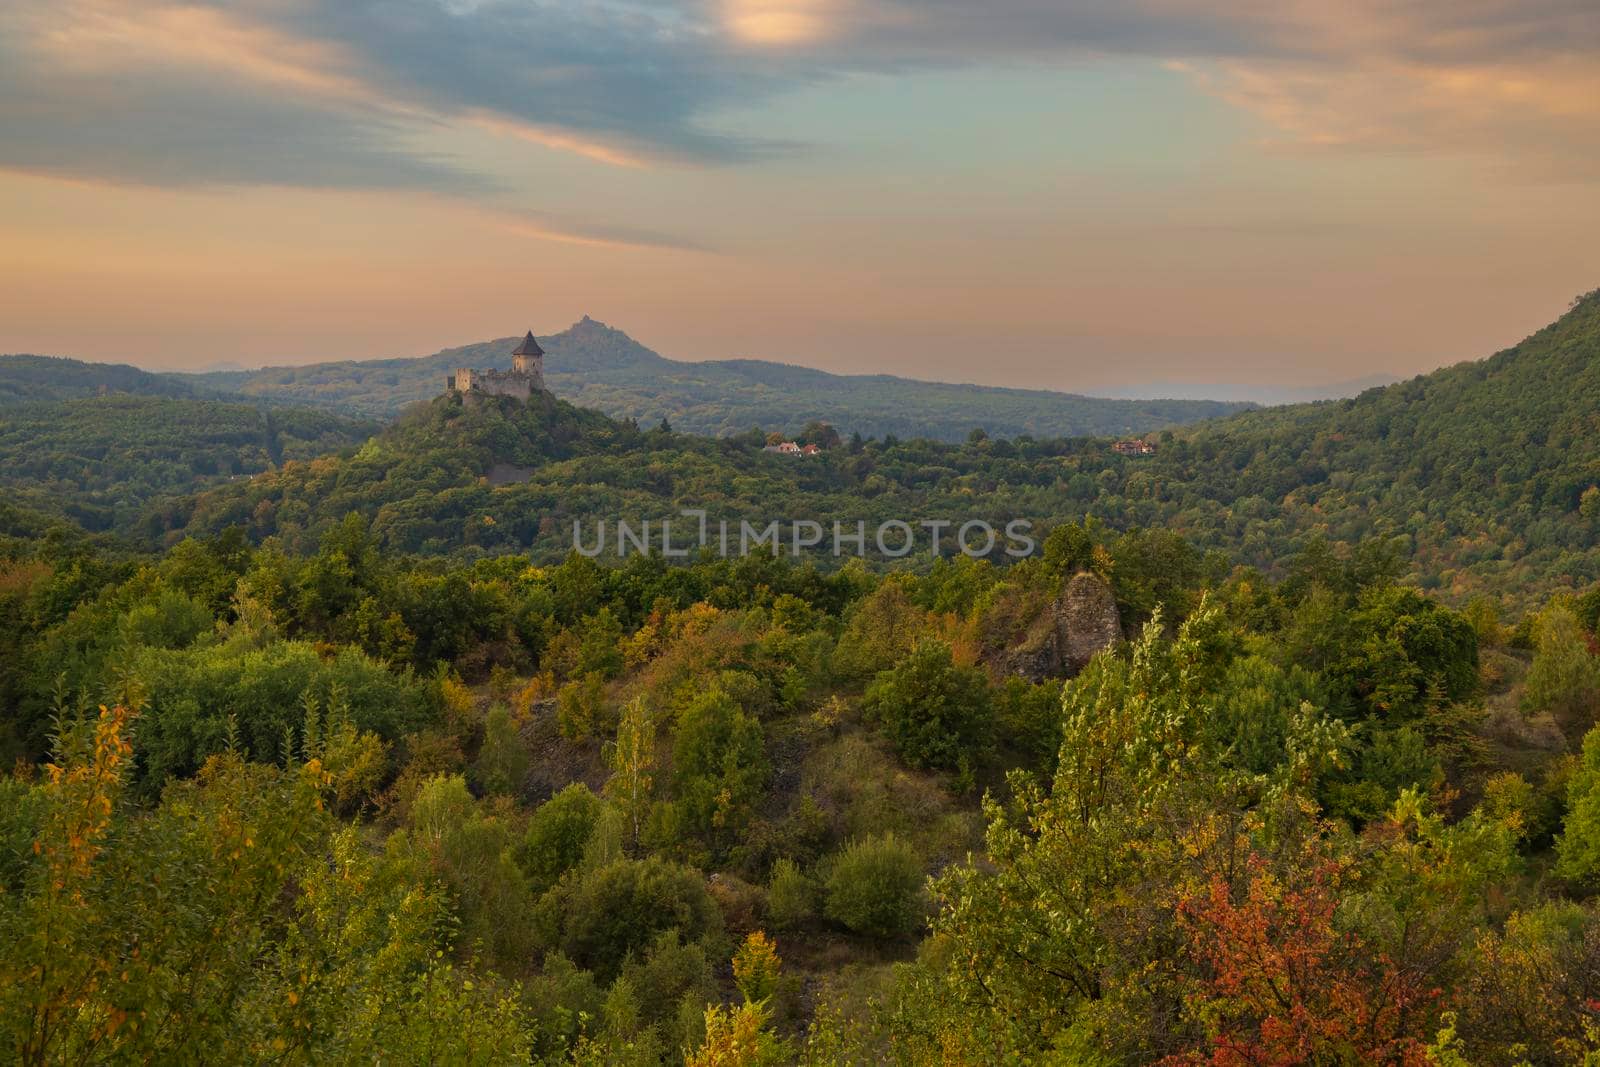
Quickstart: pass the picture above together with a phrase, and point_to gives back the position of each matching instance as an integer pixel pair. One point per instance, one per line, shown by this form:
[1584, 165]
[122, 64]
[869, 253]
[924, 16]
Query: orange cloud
[780, 22]
[1491, 80]
[96, 35]
[566, 142]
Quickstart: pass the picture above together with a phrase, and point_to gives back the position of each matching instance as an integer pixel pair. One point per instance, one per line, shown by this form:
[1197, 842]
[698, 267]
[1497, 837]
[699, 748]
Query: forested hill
[598, 367]
[1486, 471]
[102, 462]
[1482, 476]
[39, 379]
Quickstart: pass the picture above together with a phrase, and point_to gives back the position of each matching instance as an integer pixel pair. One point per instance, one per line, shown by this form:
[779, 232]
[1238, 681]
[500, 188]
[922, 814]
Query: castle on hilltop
[526, 375]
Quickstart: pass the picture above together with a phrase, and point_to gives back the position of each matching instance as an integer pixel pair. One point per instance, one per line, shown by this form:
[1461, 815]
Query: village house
[1134, 447]
[790, 448]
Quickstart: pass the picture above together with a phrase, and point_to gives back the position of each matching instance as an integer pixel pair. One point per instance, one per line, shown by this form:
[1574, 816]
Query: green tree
[875, 887]
[633, 760]
[558, 832]
[1564, 679]
[1578, 847]
[621, 907]
[719, 765]
[935, 712]
[791, 896]
[503, 759]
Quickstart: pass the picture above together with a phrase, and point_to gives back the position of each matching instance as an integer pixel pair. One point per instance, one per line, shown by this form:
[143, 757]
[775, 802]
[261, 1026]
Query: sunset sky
[1047, 193]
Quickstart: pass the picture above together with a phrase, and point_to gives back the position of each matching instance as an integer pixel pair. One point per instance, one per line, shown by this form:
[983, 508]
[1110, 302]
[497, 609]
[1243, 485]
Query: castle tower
[529, 359]
[525, 377]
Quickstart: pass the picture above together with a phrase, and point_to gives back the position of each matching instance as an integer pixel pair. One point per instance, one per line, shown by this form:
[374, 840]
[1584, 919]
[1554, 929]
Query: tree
[936, 713]
[1564, 679]
[226, 923]
[791, 896]
[755, 968]
[820, 434]
[876, 887]
[581, 706]
[503, 759]
[558, 832]
[472, 848]
[1283, 985]
[1063, 936]
[719, 765]
[633, 760]
[1578, 847]
[620, 908]
[599, 649]
[737, 1037]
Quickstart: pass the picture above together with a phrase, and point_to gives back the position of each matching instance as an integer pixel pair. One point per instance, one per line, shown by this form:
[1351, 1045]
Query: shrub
[755, 968]
[1578, 847]
[580, 707]
[503, 759]
[934, 711]
[621, 907]
[1565, 678]
[791, 896]
[557, 834]
[876, 888]
[719, 763]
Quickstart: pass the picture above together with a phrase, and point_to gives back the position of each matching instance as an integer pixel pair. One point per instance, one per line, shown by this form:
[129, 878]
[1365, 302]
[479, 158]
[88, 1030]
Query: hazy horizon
[1080, 197]
[1261, 392]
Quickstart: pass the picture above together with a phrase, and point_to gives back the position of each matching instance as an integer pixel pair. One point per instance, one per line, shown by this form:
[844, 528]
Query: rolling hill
[102, 461]
[1481, 477]
[26, 379]
[1484, 473]
[598, 367]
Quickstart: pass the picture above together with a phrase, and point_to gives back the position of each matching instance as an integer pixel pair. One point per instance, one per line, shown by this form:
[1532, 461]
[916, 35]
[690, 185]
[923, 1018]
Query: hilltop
[1482, 474]
[26, 379]
[1481, 477]
[599, 367]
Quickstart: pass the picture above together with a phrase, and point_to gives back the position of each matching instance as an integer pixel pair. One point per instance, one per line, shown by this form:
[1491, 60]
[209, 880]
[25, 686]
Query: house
[1134, 447]
[790, 448]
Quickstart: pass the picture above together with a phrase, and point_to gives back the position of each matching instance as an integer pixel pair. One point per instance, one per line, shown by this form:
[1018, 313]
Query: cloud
[543, 227]
[781, 22]
[1517, 85]
[177, 96]
[347, 92]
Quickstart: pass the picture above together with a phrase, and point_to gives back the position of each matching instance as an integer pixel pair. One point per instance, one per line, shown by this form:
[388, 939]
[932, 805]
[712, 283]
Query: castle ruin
[525, 376]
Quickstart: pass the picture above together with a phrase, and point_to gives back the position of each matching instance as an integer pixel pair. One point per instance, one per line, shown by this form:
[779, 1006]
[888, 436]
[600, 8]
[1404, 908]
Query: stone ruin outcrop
[1080, 622]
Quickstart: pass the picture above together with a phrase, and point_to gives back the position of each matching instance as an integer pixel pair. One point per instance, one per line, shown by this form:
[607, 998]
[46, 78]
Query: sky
[1041, 193]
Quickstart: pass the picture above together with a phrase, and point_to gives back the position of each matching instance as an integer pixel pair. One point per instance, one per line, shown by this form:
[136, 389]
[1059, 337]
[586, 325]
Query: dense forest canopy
[42, 379]
[349, 804]
[103, 461]
[351, 758]
[1481, 473]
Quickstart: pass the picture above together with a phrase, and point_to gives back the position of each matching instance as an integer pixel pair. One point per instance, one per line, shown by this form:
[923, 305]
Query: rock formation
[1081, 621]
[1086, 621]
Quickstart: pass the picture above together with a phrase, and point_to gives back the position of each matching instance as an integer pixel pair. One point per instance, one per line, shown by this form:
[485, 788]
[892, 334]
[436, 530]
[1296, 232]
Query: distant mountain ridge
[1482, 477]
[1479, 477]
[1269, 395]
[595, 366]
[47, 379]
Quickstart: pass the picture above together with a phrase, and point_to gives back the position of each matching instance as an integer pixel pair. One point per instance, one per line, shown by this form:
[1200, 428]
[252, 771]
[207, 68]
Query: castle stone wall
[517, 383]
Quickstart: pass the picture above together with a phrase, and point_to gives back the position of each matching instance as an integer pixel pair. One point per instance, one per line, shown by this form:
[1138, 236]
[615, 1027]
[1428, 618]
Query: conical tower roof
[528, 347]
